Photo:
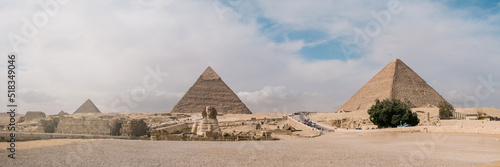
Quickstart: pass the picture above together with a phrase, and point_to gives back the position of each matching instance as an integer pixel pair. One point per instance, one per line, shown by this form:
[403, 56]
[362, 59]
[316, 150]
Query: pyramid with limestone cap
[87, 107]
[210, 90]
[396, 80]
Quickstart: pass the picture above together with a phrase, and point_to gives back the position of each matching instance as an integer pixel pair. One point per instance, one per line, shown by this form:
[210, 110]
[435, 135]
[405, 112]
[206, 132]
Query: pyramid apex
[209, 74]
[396, 60]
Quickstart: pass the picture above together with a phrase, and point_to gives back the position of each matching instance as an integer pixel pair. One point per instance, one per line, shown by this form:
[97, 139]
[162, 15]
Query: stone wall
[48, 125]
[83, 125]
[134, 127]
[471, 123]
[34, 116]
[26, 136]
[351, 122]
[465, 126]
[116, 126]
[209, 136]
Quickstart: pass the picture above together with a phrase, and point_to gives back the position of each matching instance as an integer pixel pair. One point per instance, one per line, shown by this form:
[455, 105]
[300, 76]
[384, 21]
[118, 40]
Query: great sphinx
[209, 122]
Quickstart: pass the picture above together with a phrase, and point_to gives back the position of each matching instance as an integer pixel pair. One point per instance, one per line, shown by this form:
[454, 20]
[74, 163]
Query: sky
[277, 56]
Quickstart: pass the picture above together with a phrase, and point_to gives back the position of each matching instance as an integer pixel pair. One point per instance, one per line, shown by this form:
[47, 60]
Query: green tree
[445, 110]
[390, 113]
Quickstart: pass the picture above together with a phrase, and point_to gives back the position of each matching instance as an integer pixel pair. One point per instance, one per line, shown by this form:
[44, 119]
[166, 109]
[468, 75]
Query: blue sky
[330, 47]
[278, 56]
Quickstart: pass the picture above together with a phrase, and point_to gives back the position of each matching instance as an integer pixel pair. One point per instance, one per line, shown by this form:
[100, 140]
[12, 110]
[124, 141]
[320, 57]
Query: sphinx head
[210, 112]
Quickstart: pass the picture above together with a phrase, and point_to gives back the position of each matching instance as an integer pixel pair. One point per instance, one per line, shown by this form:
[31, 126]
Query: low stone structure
[84, 125]
[351, 122]
[34, 116]
[134, 128]
[207, 129]
[48, 125]
[131, 126]
[116, 126]
[27, 136]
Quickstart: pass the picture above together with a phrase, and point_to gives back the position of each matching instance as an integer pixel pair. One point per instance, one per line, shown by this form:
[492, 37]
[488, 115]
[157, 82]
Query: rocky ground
[331, 149]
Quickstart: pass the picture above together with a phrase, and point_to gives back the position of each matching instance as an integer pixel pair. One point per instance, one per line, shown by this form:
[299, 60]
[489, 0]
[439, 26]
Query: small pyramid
[396, 80]
[87, 107]
[62, 113]
[210, 90]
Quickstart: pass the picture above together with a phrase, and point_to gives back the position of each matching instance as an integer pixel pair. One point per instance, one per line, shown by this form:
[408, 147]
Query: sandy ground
[331, 149]
[26, 145]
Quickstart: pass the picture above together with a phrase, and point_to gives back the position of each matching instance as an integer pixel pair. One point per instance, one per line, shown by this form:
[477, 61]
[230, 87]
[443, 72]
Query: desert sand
[331, 149]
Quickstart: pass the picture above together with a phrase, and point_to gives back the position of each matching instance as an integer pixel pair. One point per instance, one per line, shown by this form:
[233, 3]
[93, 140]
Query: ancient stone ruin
[396, 80]
[208, 124]
[134, 128]
[210, 90]
[34, 116]
[207, 129]
[84, 125]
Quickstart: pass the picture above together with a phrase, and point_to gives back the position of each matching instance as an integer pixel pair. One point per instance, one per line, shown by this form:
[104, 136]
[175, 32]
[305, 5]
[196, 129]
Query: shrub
[445, 110]
[390, 113]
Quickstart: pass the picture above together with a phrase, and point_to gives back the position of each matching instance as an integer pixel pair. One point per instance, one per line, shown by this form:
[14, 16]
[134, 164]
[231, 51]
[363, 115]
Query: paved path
[302, 118]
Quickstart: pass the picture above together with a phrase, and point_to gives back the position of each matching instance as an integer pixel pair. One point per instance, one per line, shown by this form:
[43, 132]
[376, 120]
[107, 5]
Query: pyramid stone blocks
[396, 80]
[87, 107]
[210, 90]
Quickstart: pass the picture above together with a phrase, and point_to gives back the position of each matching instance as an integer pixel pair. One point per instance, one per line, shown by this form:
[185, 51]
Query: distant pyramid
[210, 90]
[62, 113]
[87, 107]
[397, 81]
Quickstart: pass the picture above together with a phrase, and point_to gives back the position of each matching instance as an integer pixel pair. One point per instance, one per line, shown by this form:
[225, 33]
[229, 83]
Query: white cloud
[34, 96]
[96, 50]
[275, 99]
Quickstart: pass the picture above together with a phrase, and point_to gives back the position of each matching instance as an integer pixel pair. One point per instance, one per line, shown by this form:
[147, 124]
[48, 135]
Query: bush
[445, 110]
[389, 113]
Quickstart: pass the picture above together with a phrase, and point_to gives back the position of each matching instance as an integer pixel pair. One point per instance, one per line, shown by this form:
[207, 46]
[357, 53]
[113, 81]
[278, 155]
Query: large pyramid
[398, 81]
[87, 107]
[210, 90]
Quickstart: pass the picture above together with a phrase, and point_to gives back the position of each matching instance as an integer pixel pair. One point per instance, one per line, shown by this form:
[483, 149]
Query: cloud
[274, 99]
[154, 101]
[35, 96]
[98, 50]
